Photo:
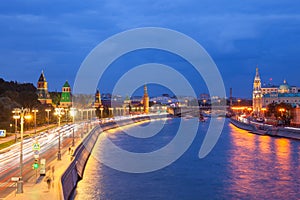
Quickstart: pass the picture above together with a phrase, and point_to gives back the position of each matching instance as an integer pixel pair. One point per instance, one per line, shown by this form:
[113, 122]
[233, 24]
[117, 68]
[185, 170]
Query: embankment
[262, 129]
[75, 171]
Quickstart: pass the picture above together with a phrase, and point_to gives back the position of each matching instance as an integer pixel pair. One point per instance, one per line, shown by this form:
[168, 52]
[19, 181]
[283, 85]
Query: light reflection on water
[241, 166]
[261, 167]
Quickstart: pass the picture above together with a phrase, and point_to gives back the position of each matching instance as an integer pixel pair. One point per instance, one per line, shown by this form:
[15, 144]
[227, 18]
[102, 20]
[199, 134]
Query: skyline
[239, 36]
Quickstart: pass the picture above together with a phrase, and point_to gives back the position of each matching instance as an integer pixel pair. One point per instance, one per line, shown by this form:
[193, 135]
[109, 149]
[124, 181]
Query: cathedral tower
[257, 94]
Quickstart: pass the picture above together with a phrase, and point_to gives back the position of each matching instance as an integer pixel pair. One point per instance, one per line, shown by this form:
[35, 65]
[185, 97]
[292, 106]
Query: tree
[281, 112]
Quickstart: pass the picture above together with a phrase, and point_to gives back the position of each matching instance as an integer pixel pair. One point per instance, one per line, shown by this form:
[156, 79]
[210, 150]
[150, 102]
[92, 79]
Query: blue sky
[56, 36]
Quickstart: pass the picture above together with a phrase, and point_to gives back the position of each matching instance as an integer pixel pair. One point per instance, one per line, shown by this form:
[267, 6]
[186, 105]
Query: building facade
[257, 95]
[66, 99]
[97, 102]
[146, 100]
[265, 95]
[42, 90]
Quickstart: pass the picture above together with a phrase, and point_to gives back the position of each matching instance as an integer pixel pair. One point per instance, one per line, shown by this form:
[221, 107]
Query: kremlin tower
[42, 90]
[66, 99]
[146, 100]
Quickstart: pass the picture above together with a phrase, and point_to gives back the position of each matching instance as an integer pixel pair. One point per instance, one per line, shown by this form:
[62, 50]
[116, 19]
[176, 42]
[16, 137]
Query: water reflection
[241, 166]
[261, 167]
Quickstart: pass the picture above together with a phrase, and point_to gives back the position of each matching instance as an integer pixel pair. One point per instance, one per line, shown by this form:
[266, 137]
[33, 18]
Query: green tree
[282, 112]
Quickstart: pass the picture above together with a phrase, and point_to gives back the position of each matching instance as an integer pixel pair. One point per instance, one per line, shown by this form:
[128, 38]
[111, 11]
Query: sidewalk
[39, 190]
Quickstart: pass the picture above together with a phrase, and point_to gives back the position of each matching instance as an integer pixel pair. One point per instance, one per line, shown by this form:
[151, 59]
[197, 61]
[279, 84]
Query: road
[10, 159]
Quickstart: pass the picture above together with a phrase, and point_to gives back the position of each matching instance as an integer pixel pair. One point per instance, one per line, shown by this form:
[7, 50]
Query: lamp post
[73, 114]
[35, 111]
[16, 117]
[59, 112]
[281, 110]
[204, 102]
[264, 110]
[66, 114]
[48, 116]
[101, 112]
[22, 114]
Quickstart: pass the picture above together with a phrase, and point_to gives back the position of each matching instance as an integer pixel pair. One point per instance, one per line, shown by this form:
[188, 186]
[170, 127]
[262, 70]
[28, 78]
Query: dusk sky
[56, 36]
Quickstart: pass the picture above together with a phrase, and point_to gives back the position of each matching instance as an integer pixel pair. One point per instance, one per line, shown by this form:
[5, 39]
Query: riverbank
[75, 171]
[264, 129]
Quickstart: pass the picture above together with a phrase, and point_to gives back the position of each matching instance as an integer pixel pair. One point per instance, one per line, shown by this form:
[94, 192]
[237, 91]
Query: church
[267, 94]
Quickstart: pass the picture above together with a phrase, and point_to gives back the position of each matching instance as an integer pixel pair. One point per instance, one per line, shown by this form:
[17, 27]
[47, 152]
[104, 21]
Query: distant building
[263, 96]
[42, 90]
[257, 93]
[146, 100]
[296, 117]
[97, 102]
[66, 99]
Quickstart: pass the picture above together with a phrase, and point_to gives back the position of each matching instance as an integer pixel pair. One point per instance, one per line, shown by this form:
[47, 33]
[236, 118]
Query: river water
[241, 166]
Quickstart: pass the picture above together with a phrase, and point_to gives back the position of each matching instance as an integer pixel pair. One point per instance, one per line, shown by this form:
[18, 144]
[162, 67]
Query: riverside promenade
[265, 129]
[38, 190]
[61, 172]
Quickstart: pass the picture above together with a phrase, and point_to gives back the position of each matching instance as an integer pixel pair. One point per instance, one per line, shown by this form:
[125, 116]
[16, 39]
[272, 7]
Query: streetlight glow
[73, 114]
[59, 112]
[22, 113]
[35, 111]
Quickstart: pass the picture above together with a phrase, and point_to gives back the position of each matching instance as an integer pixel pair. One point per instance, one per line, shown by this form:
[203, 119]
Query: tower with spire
[257, 94]
[97, 102]
[146, 99]
[42, 90]
[66, 99]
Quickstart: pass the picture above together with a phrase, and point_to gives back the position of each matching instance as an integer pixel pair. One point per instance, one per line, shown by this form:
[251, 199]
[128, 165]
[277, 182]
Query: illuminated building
[257, 93]
[263, 96]
[146, 100]
[97, 102]
[66, 99]
[42, 90]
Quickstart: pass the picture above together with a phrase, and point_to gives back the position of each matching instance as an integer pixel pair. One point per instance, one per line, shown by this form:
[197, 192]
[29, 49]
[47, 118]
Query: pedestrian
[69, 150]
[48, 180]
[71, 155]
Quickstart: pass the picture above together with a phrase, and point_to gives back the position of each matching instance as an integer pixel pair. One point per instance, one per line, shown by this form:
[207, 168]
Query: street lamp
[281, 110]
[35, 111]
[59, 112]
[48, 117]
[16, 117]
[239, 101]
[73, 114]
[22, 114]
[264, 110]
[204, 102]
[101, 111]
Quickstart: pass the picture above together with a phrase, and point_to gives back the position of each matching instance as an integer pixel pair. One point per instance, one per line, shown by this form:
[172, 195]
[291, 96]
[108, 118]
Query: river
[241, 166]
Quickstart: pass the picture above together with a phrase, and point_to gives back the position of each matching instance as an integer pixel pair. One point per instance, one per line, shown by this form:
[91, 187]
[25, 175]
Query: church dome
[284, 88]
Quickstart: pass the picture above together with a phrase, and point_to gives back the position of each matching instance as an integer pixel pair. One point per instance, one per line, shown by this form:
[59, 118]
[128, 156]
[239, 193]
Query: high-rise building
[146, 100]
[66, 99]
[42, 90]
